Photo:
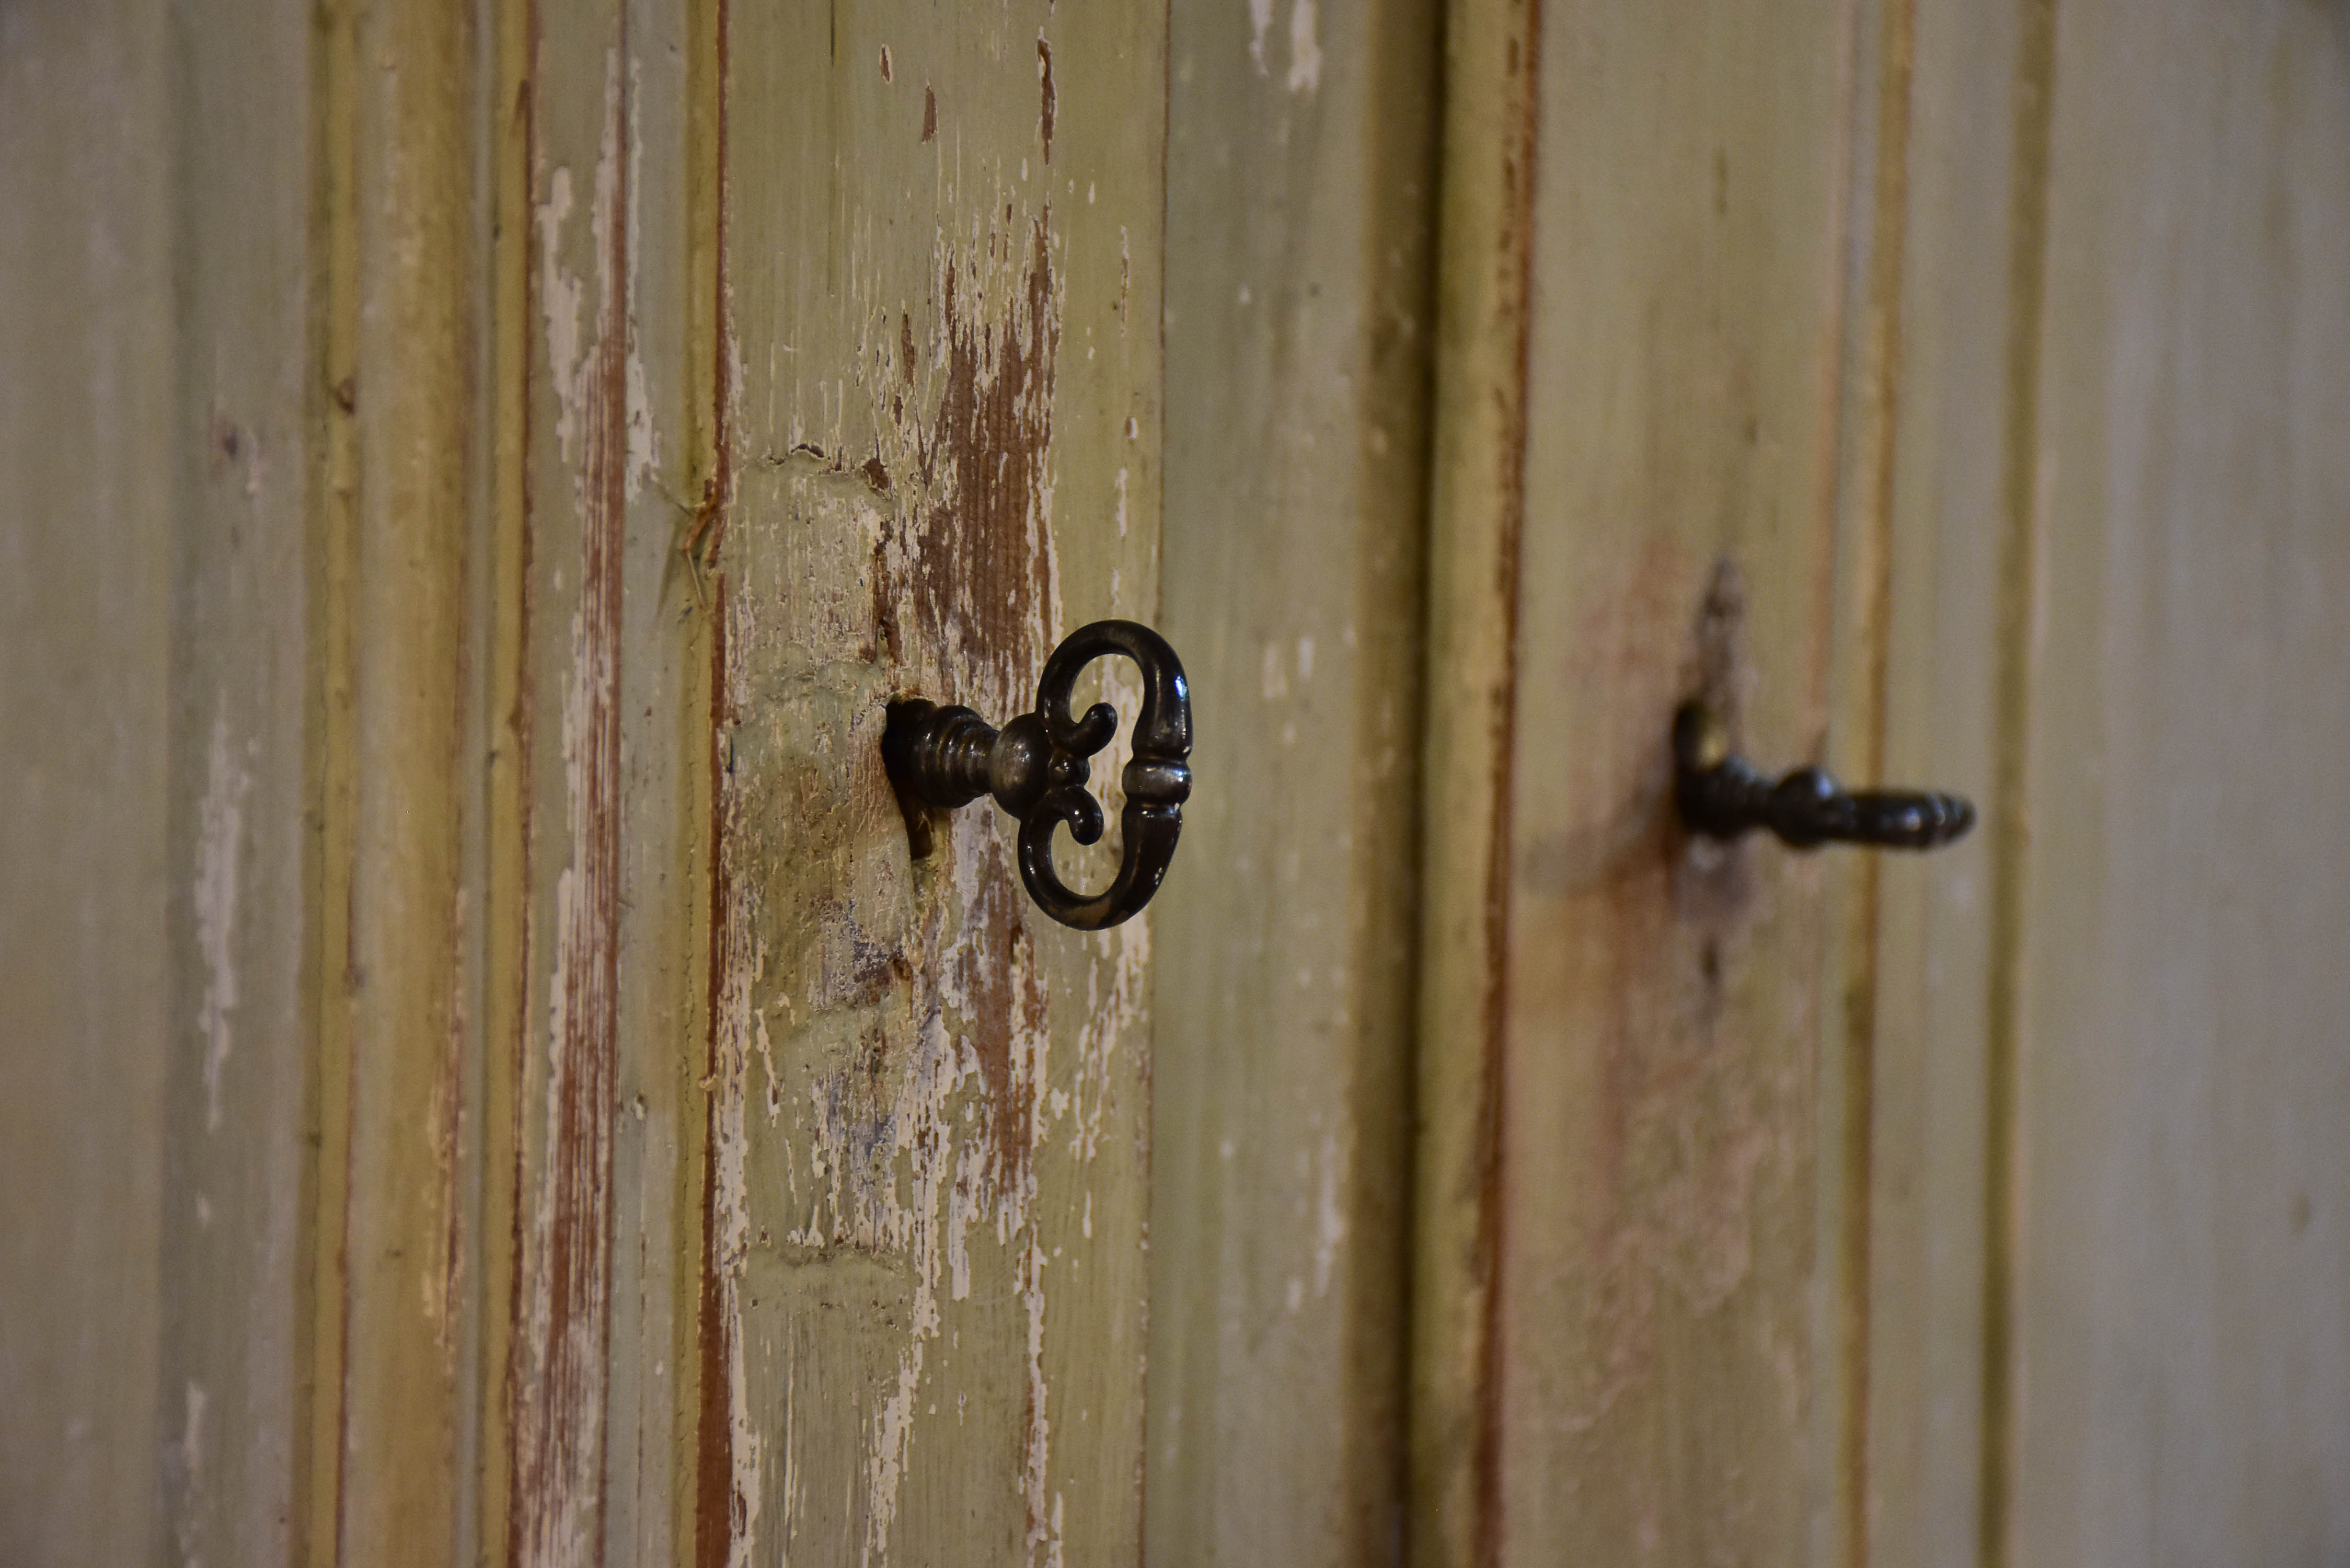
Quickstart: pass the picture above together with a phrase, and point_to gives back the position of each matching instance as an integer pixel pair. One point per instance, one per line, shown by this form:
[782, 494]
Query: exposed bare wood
[941, 299]
[608, 721]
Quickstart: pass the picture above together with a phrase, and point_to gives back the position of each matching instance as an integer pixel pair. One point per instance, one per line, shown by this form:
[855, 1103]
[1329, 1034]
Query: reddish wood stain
[562, 1334]
[1044, 112]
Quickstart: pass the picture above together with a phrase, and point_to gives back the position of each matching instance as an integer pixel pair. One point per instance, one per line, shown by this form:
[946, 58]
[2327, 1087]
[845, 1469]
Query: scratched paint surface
[923, 1325]
[1300, 199]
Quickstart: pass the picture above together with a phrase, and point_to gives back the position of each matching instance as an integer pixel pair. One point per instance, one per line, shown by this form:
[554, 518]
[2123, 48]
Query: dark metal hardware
[1036, 767]
[1722, 796]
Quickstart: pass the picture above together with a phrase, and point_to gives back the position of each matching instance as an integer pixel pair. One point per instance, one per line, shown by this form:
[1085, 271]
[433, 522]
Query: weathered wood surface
[89, 995]
[240, 1176]
[1964, 1212]
[406, 597]
[485, 1081]
[924, 1334]
[1621, 1029]
[611, 219]
[1301, 190]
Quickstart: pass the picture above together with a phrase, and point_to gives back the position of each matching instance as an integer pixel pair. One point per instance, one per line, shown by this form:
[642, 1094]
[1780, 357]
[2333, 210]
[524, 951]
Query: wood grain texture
[608, 726]
[1476, 515]
[942, 233]
[1301, 192]
[398, 509]
[1955, 659]
[2180, 1390]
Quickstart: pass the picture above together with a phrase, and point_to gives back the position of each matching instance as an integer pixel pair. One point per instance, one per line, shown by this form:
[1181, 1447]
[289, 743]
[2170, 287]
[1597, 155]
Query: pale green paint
[91, 1005]
[1301, 193]
[932, 1103]
[2181, 1291]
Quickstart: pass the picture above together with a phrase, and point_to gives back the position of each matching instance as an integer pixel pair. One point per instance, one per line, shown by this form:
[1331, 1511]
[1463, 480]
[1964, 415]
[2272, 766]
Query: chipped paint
[186, 1471]
[1329, 1211]
[563, 1306]
[1304, 48]
[1260, 25]
[561, 296]
[912, 1070]
[1050, 100]
[219, 844]
[925, 1137]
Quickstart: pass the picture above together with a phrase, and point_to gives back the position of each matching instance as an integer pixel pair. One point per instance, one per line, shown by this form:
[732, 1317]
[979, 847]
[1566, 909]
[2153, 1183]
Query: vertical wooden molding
[562, 1333]
[705, 1477]
[505, 1007]
[1878, 380]
[1301, 193]
[395, 254]
[2009, 817]
[1485, 272]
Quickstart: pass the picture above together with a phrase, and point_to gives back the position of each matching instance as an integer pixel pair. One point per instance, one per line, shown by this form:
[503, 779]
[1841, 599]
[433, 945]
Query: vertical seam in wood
[2018, 588]
[506, 1006]
[1881, 369]
[1406, 287]
[524, 721]
[1829, 446]
[1518, 197]
[334, 261]
[606, 571]
[713, 1492]
[714, 1478]
[1476, 484]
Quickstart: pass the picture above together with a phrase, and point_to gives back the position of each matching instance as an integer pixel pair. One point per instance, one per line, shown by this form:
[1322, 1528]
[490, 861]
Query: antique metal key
[1723, 796]
[945, 757]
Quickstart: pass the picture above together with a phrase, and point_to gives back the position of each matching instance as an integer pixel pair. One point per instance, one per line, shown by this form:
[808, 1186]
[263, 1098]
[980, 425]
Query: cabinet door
[938, 429]
[844, 329]
[1939, 392]
[1629, 1168]
[508, 1090]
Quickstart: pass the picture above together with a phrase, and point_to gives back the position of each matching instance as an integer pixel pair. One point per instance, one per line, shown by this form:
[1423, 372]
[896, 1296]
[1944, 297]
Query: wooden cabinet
[1932, 385]
[485, 1078]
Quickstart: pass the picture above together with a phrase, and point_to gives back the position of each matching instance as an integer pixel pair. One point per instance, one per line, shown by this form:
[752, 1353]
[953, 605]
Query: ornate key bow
[1036, 767]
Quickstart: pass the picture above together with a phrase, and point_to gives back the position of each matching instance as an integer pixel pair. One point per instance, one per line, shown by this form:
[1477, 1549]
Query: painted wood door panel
[1301, 193]
[1639, 453]
[929, 1105]
[1946, 521]
[2030, 1226]
[240, 1169]
[608, 218]
[2177, 1303]
[85, 936]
